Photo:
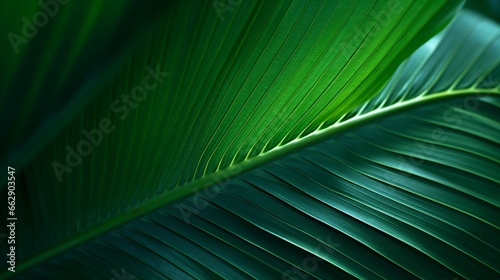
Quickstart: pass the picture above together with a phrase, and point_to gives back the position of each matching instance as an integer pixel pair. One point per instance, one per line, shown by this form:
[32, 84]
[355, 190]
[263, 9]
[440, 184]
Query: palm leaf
[394, 194]
[288, 182]
[60, 54]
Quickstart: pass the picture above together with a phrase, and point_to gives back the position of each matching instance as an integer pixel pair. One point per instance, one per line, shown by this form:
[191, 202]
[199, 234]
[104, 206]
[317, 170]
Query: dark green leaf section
[56, 57]
[488, 8]
[210, 94]
[411, 196]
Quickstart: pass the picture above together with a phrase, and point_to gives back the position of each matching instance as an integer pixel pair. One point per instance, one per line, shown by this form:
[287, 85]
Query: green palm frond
[277, 140]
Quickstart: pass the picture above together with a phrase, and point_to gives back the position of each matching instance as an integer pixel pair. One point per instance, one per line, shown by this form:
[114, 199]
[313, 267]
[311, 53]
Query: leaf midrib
[244, 166]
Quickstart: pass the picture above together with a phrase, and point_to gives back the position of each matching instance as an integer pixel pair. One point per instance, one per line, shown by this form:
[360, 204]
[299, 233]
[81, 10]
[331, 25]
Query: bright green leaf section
[404, 187]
